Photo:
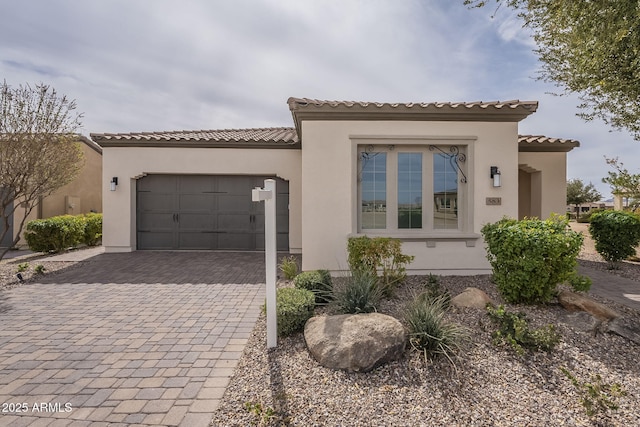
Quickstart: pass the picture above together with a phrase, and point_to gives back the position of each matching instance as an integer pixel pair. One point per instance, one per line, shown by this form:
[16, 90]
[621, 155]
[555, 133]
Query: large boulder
[576, 302]
[472, 297]
[355, 342]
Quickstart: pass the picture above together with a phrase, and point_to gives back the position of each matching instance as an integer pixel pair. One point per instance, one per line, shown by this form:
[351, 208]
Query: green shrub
[429, 333]
[531, 257]
[317, 281]
[513, 330]
[24, 266]
[294, 308]
[289, 267]
[616, 234]
[54, 234]
[596, 397]
[40, 269]
[433, 290]
[358, 293]
[379, 254]
[92, 229]
[580, 283]
[586, 217]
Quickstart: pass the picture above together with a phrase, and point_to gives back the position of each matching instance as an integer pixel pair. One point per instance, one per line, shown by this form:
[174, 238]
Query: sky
[161, 65]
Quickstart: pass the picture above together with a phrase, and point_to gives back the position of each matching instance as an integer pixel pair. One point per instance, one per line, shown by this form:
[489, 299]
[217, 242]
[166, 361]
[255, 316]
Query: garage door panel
[195, 184]
[236, 241]
[189, 222]
[233, 222]
[158, 183]
[157, 221]
[156, 240]
[235, 203]
[157, 202]
[197, 240]
[196, 202]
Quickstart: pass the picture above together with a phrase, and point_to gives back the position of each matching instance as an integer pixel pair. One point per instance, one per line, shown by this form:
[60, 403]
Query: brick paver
[148, 338]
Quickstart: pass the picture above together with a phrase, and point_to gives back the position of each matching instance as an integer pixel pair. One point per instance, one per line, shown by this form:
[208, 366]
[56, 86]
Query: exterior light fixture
[495, 175]
[114, 183]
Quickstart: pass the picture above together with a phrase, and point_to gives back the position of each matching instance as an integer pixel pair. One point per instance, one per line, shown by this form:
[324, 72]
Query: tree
[39, 150]
[578, 193]
[623, 182]
[590, 48]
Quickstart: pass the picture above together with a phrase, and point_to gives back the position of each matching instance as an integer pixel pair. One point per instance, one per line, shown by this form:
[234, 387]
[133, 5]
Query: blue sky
[135, 65]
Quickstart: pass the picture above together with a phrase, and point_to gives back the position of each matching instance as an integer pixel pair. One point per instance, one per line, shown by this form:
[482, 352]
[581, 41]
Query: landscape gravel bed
[488, 386]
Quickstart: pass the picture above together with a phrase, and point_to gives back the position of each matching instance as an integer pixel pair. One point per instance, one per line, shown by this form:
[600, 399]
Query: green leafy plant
[264, 414]
[433, 290]
[513, 330]
[92, 233]
[616, 235]
[379, 255]
[40, 269]
[293, 308]
[55, 234]
[317, 281]
[24, 266]
[289, 267]
[429, 332]
[596, 396]
[531, 257]
[358, 293]
[580, 283]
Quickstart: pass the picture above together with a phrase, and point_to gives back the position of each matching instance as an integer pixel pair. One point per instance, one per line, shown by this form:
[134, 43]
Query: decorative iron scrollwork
[455, 158]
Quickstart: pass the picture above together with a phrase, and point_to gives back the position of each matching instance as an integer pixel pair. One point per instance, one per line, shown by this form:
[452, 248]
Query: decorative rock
[472, 297]
[575, 302]
[355, 342]
[627, 330]
[583, 322]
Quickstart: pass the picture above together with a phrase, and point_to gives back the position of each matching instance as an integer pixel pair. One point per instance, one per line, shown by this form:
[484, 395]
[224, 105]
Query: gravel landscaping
[488, 386]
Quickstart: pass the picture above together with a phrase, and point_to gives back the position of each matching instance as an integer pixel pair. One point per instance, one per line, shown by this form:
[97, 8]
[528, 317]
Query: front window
[394, 182]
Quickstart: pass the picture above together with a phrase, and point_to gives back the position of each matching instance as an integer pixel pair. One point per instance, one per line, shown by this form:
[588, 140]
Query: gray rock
[472, 297]
[576, 302]
[626, 329]
[355, 342]
[583, 322]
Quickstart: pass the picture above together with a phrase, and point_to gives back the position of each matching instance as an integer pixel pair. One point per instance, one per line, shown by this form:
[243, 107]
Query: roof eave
[174, 143]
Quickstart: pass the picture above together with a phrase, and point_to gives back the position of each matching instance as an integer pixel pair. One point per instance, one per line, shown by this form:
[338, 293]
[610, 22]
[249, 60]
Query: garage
[7, 240]
[206, 212]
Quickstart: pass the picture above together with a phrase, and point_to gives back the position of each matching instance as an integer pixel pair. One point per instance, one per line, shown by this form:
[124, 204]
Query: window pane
[445, 192]
[373, 188]
[409, 190]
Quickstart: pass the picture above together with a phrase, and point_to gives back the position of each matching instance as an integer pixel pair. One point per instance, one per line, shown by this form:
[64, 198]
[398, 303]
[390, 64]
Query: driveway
[148, 338]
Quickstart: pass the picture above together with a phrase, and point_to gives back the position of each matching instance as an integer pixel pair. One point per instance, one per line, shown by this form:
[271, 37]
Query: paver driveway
[147, 338]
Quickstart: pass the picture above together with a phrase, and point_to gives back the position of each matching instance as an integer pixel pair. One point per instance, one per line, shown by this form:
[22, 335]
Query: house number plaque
[494, 201]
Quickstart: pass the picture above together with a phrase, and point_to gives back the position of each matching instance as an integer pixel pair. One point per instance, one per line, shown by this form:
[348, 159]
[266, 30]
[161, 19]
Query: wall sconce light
[495, 175]
[114, 183]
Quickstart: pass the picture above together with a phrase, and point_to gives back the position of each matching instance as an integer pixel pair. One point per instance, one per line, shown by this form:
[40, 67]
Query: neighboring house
[430, 174]
[585, 208]
[82, 195]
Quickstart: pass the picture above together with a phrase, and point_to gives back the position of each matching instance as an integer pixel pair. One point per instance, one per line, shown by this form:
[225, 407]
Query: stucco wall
[130, 163]
[551, 170]
[329, 180]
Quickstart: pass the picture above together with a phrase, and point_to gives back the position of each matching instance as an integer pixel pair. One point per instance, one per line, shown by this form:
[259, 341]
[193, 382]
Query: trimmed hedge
[317, 281]
[59, 233]
[294, 308]
[616, 234]
[531, 257]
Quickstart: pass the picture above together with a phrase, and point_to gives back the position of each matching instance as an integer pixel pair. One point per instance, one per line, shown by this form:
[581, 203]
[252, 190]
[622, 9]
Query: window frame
[428, 147]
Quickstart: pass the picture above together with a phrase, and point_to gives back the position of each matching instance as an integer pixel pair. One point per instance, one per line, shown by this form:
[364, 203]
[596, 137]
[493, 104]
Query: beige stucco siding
[131, 163]
[549, 173]
[330, 192]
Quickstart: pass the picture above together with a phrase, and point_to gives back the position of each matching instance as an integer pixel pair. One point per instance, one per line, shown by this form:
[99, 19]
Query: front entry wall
[133, 165]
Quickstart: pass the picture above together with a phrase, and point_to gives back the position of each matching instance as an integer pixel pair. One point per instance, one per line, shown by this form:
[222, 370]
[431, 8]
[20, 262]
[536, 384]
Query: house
[82, 195]
[431, 174]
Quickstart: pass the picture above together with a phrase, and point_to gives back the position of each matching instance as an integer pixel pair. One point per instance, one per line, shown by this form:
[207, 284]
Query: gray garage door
[206, 212]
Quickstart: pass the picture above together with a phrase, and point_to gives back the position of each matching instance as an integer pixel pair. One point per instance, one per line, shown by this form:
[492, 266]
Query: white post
[268, 194]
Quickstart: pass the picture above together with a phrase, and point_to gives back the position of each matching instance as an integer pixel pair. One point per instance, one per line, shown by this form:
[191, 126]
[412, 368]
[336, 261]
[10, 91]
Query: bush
[513, 330]
[580, 283]
[294, 308]
[379, 254]
[358, 293]
[289, 267]
[616, 234]
[429, 333]
[531, 257]
[317, 281]
[55, 234]
[92, 229]
[586, 217]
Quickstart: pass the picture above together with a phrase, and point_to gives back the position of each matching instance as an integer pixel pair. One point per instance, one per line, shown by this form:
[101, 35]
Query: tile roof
[281, 136]
[532, 143]
[304, 102]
